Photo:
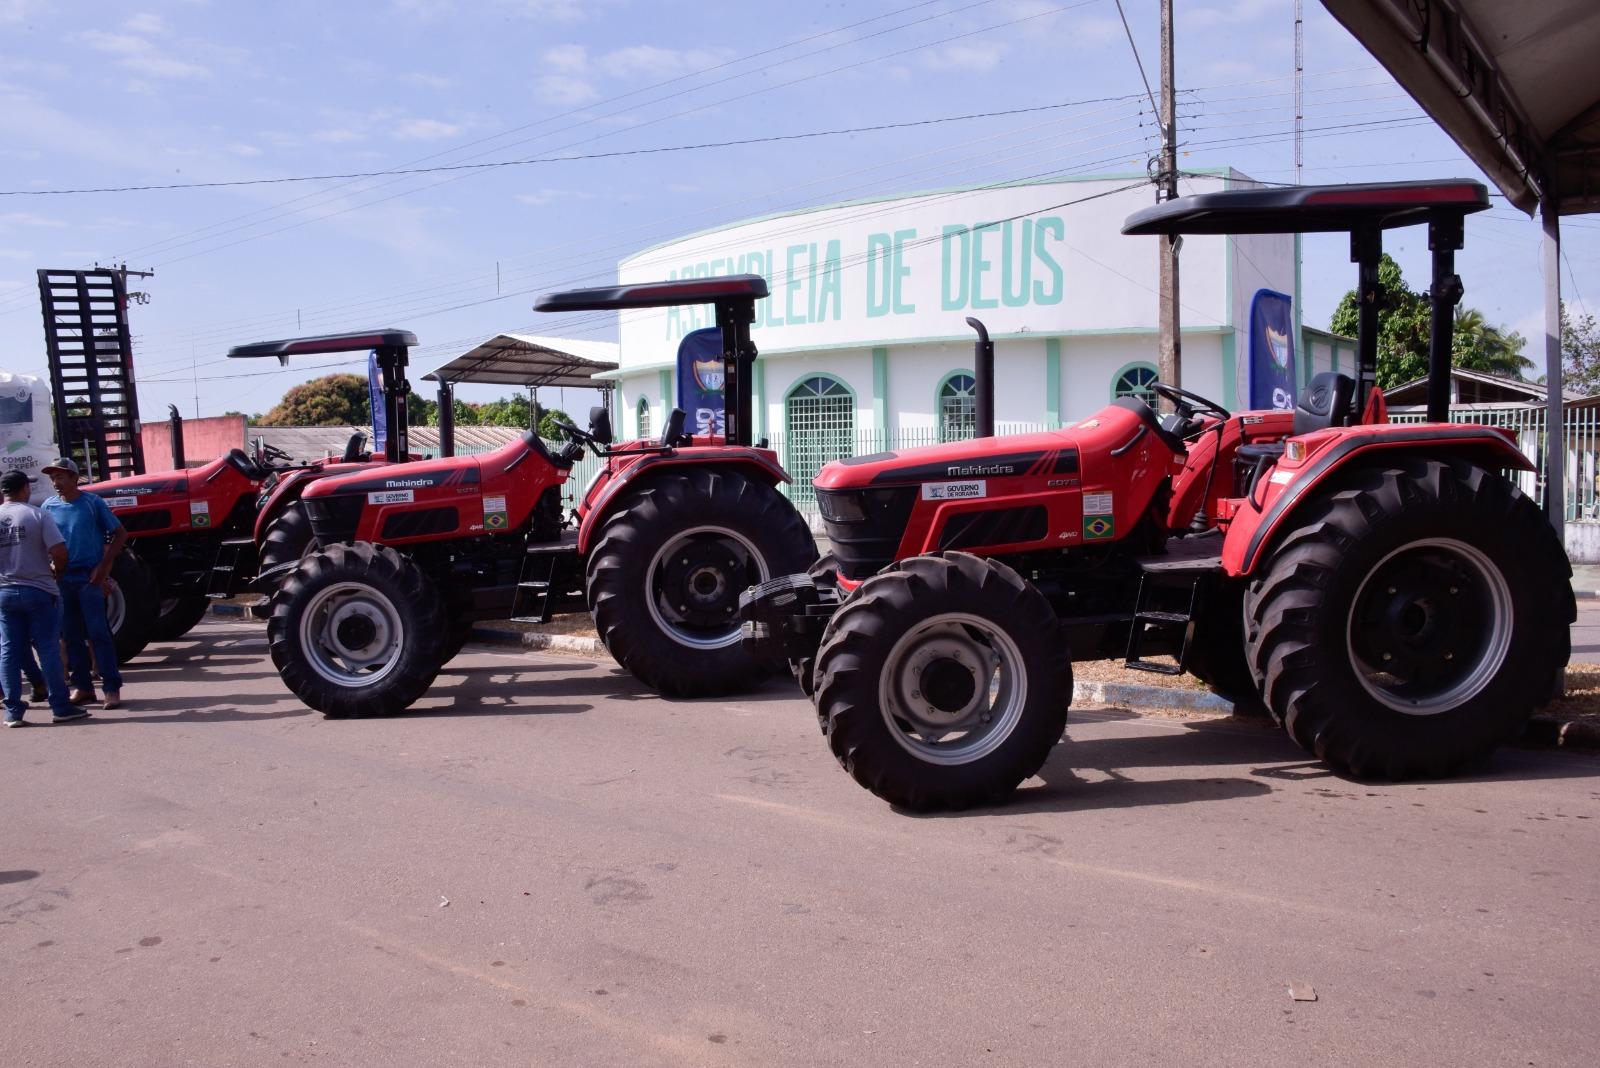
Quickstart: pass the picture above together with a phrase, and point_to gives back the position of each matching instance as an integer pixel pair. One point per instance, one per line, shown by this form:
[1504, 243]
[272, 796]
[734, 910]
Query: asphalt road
[545, 865]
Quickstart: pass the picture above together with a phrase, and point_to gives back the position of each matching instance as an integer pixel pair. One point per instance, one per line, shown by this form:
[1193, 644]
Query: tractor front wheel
[356, 630]
[1413, 621]
[944, 682]
[288, 540]
[666, 571]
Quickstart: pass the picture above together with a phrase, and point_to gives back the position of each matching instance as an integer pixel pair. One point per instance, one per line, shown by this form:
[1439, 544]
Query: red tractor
[668, 535]
[1385, 590]
[215, 531]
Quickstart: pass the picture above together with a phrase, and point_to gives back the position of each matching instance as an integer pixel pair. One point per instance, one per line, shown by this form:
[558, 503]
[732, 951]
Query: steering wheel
[1188, 403]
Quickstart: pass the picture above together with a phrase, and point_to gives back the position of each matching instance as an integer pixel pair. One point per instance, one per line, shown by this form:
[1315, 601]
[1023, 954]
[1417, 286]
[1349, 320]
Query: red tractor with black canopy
[1386, 591]
[666, 537]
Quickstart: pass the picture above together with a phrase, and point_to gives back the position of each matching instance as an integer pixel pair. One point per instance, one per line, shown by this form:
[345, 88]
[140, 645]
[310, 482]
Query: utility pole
[1299, 89]
[1169, 362]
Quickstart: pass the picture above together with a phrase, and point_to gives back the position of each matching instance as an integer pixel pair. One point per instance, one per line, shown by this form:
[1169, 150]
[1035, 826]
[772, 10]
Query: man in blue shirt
[93, 538]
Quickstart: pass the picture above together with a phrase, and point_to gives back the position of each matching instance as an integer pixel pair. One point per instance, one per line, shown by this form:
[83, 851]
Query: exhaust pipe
[983, 368]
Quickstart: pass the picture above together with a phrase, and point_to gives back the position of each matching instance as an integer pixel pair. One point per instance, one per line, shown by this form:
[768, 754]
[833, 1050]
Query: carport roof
[1516, 85]
[526, 360]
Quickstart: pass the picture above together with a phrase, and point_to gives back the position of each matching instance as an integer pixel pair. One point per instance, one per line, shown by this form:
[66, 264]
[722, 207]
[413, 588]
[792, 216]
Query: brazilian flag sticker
[494, 513]
[199, 513]
[1098, 527]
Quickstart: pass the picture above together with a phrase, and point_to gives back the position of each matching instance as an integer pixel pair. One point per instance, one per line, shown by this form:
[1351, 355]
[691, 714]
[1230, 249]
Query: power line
[1137, 61]
[443, 168]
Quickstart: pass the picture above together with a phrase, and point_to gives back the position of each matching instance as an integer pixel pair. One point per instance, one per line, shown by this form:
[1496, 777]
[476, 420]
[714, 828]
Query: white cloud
[147, 24]
[564, 89]
[972, 57]
[13, 10]
[427, 81]
[571, 58]
[1226, 70]
[541, 197]
[1093, 29]
[1236, 13]
[15, 254]
[244, 150]
[337, 136]
[141, 56]
[28, 218]
[426, 130]
[655, 63]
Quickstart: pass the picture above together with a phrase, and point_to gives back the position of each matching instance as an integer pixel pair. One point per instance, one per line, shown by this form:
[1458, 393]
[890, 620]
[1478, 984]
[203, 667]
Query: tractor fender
[758, 464]
[1288, 485]
[290, 486]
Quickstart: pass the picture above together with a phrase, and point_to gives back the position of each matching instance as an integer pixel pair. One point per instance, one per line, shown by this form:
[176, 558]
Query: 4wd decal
[494, 513]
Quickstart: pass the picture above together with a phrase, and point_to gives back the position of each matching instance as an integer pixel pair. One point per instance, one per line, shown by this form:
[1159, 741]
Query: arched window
[819, 416]
[1134, 381]
[644, 418]
[958, 407]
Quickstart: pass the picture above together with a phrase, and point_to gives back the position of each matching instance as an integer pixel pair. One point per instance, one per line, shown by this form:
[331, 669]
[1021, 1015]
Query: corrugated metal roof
[527, 360]
[317, 442]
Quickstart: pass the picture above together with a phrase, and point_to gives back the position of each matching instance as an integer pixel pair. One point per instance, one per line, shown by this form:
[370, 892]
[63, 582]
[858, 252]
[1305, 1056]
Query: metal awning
[1516, 85]
[535, 362]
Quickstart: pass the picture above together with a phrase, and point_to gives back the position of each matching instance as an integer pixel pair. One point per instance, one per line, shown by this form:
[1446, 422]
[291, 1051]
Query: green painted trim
[1124, 369]
[664, 381]
[758, 399]
[1299, 327]
[818, 374]
[1052, 380]
[1230, 372]
[880, 389]
[1111, 176]
[1230, 255]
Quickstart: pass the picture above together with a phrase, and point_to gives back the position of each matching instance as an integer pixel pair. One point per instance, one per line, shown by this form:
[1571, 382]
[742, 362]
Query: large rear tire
[666, 571]
[288, 540]
[356, 630]
[944, 682]
[1413, 620]
[131, 606]
[177, 616]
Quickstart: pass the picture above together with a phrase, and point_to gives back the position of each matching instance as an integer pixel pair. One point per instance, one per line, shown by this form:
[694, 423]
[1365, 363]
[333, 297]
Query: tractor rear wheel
[131, 606]
[177, 616]
[1414, 619]
[356, 630]
[944, 682]
[288, 540]
[666, 571]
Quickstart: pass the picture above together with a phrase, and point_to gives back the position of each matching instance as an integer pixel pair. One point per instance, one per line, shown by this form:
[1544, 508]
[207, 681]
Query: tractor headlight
[840, 507]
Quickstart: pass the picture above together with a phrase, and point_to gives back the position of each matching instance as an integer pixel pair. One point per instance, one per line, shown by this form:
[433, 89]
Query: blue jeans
[84, 621]
[30, 619]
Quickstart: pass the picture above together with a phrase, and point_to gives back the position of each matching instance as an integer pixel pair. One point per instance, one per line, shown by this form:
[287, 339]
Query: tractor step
[1198, 554]
[234, 556]
[1154, 667]
[1145, 620]
[1162, 617]
[548, 573]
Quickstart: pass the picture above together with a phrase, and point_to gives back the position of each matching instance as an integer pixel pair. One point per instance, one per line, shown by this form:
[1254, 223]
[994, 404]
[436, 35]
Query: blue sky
[99, 94]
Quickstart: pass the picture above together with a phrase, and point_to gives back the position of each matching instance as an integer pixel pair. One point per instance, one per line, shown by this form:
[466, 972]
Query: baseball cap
[65, 465]
[14, 480]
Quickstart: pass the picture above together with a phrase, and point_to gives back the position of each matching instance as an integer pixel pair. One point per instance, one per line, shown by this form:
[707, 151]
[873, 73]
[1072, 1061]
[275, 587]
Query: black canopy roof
[656, 294]
[307, 346]
[1309, 208]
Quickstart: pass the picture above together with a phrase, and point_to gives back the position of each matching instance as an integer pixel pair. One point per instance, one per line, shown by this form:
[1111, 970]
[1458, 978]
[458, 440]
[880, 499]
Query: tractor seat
[1325, 403]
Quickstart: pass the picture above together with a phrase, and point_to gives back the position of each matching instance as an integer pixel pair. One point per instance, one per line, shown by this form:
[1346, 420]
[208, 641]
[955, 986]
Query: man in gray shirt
[32, 554]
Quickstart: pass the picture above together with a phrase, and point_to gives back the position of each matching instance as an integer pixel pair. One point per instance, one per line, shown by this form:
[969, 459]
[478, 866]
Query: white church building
[864, 343]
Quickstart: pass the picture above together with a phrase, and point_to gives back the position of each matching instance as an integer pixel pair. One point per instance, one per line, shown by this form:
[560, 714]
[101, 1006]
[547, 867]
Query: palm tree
[1481, 347]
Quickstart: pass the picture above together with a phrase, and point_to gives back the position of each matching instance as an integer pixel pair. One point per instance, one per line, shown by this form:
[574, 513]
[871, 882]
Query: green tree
[548, 420]
[1580, 352]
[332, 400]
[1403, 327]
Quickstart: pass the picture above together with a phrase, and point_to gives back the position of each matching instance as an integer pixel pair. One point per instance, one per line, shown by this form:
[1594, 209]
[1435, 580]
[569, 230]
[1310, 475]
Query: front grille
[334, 519]
[865, 547]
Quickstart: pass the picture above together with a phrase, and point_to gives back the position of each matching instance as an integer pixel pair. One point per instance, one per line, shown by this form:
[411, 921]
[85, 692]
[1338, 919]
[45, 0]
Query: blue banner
[700, 392]
[1272, 378]
[380, 422]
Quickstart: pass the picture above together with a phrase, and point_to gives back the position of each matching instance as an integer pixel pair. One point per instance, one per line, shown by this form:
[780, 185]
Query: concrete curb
[1548, 730]
[1122, 695]
[565, 643]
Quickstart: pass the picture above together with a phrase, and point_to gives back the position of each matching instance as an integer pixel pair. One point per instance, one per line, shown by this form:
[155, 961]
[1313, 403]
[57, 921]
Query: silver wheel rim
[946, 729]
[675, 600]
[116, 608]
[1451, 632]
[351, 634]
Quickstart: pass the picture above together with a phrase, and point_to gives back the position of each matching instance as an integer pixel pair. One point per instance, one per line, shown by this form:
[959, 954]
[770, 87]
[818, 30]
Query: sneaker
[81, 697]
[40, 694]
[113, 699]
[70, 715]
[18, 722]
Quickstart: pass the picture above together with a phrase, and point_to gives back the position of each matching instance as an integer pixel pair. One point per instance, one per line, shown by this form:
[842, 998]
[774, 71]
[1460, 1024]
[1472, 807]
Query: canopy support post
[1555, 440]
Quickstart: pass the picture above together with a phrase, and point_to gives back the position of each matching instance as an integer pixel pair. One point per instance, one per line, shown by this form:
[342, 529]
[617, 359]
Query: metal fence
[1581, 431]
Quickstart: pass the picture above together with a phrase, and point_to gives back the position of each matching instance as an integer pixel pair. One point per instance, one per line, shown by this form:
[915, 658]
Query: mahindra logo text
[402, 483]
[980, 469]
